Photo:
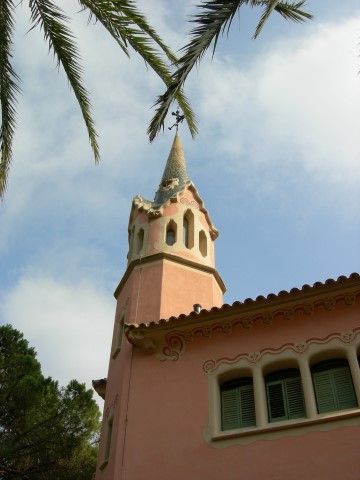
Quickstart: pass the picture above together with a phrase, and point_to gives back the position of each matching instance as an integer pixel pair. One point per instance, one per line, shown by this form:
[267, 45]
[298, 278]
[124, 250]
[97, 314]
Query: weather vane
[178, 119]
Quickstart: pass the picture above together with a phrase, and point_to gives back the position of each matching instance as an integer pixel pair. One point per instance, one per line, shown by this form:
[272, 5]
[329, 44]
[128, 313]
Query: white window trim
[271, 361]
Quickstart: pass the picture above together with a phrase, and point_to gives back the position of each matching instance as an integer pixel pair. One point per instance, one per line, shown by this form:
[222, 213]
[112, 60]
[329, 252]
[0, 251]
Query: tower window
[333, 386]
[171, 233]
[119, 332]
[237, 404]
[285, 397]
[186, 232]
[139, 240]
[109, 429]
[203, 243]
[108, 434]
[131, 240]
[188, 229]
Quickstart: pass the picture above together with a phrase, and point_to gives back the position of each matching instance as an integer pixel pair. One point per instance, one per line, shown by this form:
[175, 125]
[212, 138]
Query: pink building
[261, 389]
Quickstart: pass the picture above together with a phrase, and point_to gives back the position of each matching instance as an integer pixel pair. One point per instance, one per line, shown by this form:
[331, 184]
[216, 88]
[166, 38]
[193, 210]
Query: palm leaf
[128, 8]
[290, 11]
[62, 43]
[129, 27]
[105, 13]
[210, 23]
[141, 46]
[9, 89]
[214, 18]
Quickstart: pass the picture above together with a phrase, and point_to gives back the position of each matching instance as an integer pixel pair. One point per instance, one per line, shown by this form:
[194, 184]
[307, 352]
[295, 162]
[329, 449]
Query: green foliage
[46, 432]
[129, 28]
[122, 20]
[215, 18]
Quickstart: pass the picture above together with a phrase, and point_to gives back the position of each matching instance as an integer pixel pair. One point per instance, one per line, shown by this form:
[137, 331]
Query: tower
[171, 263]
[267, 387]
[170, 271]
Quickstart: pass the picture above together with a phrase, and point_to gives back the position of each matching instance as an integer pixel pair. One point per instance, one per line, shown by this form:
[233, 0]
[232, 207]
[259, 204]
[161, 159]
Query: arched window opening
[334, 389]
[171, 233]
[119, 335]
[108, 435]
[188, 229]
[285, 397]
[237, 404]
[131, 240]
[139, 240]
[186, 232]
[203, 243]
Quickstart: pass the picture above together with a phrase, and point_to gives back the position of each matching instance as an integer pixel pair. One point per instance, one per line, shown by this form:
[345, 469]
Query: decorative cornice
[171, 258]
[100, 387]
[154, 210]
[210, 366]
[167, 338]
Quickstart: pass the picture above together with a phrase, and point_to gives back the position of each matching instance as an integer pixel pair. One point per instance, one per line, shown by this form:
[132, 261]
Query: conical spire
[175, 175]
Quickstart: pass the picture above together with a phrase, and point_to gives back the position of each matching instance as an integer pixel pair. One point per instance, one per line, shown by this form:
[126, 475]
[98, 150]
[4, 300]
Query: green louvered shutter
[333, 386]
[294, 398]
[247, 406]
[237, 404]
[344, 388]
[230, 409]
[324, 392]
[276, 404]
[285, 396]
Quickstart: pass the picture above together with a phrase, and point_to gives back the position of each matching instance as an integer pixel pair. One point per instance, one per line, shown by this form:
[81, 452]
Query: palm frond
[210, 22]
[215, 17]
[105, 13]
[128, 8]
[290, 11]
[9, 89]
[269, 8]
[62, 43]
[142, 46]
[119, 15]
[129, 27]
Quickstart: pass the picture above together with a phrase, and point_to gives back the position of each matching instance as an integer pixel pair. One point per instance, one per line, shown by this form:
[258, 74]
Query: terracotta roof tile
[251, 302]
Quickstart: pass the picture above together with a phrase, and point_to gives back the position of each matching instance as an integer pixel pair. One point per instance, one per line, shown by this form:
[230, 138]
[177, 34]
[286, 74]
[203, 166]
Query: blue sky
[276, 162]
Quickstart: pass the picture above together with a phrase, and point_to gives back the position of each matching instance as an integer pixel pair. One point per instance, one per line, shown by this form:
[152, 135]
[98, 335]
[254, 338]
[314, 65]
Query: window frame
[259, 365]
[289, 381]
[328, 376]
[234, 413]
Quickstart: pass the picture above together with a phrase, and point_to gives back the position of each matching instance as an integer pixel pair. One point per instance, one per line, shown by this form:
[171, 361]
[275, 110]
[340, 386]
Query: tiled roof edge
[259, 301]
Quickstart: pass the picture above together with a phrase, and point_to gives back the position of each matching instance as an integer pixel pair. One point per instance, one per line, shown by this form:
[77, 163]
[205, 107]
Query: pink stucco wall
[162, 412]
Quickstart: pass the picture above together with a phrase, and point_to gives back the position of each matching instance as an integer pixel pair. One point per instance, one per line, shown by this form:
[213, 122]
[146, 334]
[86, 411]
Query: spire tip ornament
[178, 119]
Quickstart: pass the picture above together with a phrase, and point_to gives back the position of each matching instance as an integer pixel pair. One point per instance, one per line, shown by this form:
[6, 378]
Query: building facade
[265, 388]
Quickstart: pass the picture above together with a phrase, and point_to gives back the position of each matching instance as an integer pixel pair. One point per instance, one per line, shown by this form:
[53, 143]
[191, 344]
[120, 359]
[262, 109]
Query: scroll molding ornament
[209, 366]
[171, 345]
[192, 203]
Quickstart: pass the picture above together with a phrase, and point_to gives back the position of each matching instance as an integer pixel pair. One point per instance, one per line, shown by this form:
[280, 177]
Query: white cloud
[298, 100]
[269, 125]
[69, 324]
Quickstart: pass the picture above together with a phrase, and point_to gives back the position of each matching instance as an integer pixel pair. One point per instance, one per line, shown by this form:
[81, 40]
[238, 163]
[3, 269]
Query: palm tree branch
[214, 17]
[127, 26]
[269, 8]
[9, 89]
[142, 46]
[289, 11]
[211, 21]
[128, 8]
[62, 43]
[104, 13]
[118, 15]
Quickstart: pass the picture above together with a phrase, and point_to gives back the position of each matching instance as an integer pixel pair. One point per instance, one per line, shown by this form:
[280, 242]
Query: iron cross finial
[178, 119]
